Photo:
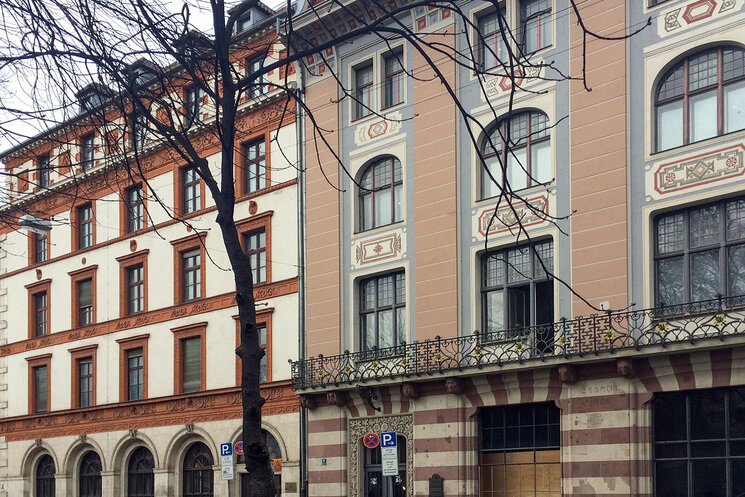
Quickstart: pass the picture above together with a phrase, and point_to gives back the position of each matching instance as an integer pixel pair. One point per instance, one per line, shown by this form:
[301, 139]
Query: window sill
[378, 229]
[695, 146]
[519, 195]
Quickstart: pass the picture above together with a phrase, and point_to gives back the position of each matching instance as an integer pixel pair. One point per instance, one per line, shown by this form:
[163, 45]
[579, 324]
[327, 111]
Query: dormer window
[244, 22]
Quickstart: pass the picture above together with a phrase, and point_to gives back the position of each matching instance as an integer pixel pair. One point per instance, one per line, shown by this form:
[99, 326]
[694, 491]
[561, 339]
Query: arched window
[522, 141]
[274, 453]
[140, 474]
[700, 97]
[198, 474]
[45, 477]
[90, 475]
[381, 194]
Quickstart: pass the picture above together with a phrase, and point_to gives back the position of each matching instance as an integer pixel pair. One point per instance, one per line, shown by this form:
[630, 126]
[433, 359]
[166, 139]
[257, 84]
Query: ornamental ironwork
[596, 334]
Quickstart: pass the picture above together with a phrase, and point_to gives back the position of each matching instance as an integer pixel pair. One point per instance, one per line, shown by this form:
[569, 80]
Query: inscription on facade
[700, 169]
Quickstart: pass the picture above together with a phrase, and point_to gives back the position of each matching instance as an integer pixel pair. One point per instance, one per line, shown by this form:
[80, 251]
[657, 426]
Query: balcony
[703, 324]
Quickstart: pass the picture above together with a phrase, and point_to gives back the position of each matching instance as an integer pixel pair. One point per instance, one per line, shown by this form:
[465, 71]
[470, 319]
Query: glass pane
[540, 162]
[705, 275]
[385, 291]
[670, 125]
[398, 194]
[383, 207]
[367, 212]
[670, 234]
[736, 271]
[702, 70]
[516, 167]
[192, 372]
[368, 327]
[707, 414]
[489, 187]
[367, 299]
[401, 325]
[672, 85]
[494, 311]
[735, 219]
[668, 406]
[671, 478]
[670, 281]
[400, 288]
[703, 115]
[85, 293]
[734, 107]
[737, 413]
[40, 388]
[493, 270]
[704, 225]
[518, 264]
[737, 470]
[710, 478]
[385, 329]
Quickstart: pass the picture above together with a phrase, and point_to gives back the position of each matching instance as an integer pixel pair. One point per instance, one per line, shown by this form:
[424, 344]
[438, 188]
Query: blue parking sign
[226, 449]
[388, 439]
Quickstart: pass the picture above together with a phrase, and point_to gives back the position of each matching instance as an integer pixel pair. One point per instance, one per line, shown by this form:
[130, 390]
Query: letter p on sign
[388, 439]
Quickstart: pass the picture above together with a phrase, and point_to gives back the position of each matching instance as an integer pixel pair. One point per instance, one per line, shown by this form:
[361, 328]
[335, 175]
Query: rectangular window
[191, 190]
[192, 275]
[193, 102]
[41, 247]
[191, 379]
[259, 86]
[135, 209]
[135, 374]
[535, 24]
[139, 131]
[383, 312]
[363, 90]
[40, 393]
[255, 245]
[700, 253]
[135, 289]
[254, 165]
[87, 151]
[517, 294]
[41, 314]
[491, 51]
[85, 302]
[393, 91]
[520, 450]
[43, 165]
[85, 382]
[261, 328]
[85, 226]
[699, 442]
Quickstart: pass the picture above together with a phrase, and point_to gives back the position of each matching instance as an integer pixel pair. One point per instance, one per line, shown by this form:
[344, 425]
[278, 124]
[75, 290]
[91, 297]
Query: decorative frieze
[694, 13]
[508, 217]
[367, 251]
[699, 170]
[522, 77]
[370, 131]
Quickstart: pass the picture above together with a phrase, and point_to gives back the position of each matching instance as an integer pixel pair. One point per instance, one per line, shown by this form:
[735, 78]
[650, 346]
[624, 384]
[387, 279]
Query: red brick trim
[255, 223]
[125, 345]
[35, 362]
[179, 335]
[126, 262]
[179, 247]
[33, 290]
[88, 273]
[264, 317]
[75, 355]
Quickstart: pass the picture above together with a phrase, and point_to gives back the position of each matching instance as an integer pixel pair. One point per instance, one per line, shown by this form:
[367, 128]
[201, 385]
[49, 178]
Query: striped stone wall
[606, 432]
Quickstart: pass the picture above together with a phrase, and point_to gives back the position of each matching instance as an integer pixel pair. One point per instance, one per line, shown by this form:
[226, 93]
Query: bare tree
[135, 58]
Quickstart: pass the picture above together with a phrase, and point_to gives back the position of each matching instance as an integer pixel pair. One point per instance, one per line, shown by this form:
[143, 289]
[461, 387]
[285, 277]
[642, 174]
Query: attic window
[243, 23]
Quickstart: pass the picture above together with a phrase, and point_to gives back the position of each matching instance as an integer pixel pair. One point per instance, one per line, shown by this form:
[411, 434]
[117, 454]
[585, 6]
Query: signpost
[226, 461]
[389, 453]
[371, 440]
[238, 447]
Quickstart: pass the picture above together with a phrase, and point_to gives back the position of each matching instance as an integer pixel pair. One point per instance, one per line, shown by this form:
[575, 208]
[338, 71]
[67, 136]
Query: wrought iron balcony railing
[567, 338]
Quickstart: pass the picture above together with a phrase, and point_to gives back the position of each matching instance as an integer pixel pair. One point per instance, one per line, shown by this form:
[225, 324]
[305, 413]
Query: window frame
[523, 21]
[87, 147]
[139, 133]
[181, 247]
[251, 62]
[94, 477]
[397, 55]
[374, 191]
[374, 351]
[44, 483]
[78, 354]
[77, 277]
[722, 246]
[125, 263]
[44, 167]
[260, 162]
[33, 363]
[359, 109]
[718, 89]
[253, 224]
[194, 103]
[499, 130]
[35, 289]
[180, 334]
[128, 208]
[256, 253]
[482, 38]
[263, 317]
[125, 346]
[181, 186]
[85, 229]
[35, 242]
[138, 478]
[504, 287]
[207, 470]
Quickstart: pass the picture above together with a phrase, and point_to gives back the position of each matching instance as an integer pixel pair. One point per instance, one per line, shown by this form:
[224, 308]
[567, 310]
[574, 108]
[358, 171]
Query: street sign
[226, 461]
[389, 453]
[277, 466]
[371, 440]
[238, 447]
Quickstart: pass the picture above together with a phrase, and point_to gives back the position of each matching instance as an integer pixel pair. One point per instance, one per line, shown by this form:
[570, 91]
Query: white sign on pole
[389, 453]
[226, 461]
